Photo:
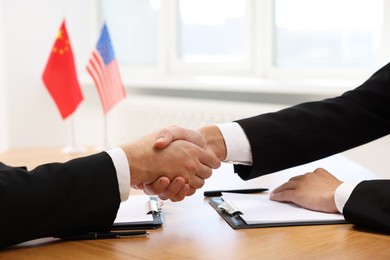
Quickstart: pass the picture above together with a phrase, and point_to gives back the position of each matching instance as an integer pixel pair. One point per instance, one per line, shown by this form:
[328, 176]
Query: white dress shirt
[239, 152]
[121, 165]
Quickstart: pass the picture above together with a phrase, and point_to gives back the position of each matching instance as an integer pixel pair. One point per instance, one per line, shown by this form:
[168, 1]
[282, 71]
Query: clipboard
[153, 208]
[340, 166]
[232, 215]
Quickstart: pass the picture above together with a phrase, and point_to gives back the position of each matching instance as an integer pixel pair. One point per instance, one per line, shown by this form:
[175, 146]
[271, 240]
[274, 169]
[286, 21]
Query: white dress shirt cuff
[342, 194]
[121, 165]
[238, 149]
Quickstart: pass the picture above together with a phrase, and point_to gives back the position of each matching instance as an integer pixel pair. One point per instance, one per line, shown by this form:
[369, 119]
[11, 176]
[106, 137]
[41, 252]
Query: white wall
[30, 30]
[3, 90]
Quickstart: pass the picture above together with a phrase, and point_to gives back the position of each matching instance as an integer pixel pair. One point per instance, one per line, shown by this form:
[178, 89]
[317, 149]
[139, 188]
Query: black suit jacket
[314, 130]
[57, 199]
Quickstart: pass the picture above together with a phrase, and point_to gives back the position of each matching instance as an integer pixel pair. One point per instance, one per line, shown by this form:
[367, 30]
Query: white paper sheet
[135, 209]
[259, 209]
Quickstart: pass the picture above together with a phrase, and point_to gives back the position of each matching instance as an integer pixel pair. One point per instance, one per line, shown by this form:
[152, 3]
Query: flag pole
[104, 70]
[60, 79]
[72, 148]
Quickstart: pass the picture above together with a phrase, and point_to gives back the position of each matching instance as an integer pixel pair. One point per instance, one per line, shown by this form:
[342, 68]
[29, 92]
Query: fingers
[283, 196]
[186, 153]
[290, 185]
[176, 190]
[156, 187]
[207, 157]
[181, 194]
[296, 178]
[192, 164]
[173, 133]
[287, 191]
[196, 182]
[204, 172]
[191, 192]
[313, 190]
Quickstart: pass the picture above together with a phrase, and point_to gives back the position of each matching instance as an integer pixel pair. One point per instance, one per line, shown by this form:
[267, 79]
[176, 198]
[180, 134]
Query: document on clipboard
[254, 211]
[139, 212]
[259, 211]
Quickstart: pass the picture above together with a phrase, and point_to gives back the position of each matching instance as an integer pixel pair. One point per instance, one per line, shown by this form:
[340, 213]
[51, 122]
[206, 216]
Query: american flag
[104, 70]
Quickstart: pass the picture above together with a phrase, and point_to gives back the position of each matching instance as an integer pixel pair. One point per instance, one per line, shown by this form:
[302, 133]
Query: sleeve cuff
[342, 194]
[121, 165]
[237, 144]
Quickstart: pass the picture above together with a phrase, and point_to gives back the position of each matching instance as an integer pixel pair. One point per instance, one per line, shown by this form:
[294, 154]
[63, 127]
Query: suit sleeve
[314, 130]
[56, 199]
[369, 205]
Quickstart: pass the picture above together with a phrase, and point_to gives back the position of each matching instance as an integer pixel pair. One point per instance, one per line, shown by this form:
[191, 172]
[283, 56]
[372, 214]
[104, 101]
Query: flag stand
[104, 70]
[72, 148]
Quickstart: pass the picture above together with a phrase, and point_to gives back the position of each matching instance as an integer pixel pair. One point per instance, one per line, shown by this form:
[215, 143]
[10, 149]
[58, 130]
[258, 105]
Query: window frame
[258, 57]
[237, 68]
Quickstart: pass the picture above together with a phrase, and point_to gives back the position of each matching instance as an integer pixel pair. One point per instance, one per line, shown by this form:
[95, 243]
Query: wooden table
[193, 230]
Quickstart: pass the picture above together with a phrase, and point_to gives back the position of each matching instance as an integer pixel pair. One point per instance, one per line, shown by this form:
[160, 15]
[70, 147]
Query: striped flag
[104, 70]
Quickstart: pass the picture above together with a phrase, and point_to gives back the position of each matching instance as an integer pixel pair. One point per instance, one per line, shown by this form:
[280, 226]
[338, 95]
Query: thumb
[164, 138]
[173, 133]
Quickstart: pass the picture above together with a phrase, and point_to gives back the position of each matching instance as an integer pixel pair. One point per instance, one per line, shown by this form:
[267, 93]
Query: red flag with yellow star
[60, 76]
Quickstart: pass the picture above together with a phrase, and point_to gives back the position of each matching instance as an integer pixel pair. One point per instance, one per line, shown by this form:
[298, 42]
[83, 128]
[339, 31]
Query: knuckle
[191, 192]
[191, 167]
[207, 173]
[201, 183]
[192, 150]
[217, 164]
[163, 196]
[179, 197]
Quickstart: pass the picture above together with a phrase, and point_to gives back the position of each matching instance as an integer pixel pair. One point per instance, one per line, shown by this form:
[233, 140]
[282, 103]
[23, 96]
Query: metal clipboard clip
[228, 207]
[154, 206]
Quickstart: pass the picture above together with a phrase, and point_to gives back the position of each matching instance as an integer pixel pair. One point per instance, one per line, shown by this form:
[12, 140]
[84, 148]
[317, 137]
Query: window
[327, 34]
[209, 33]
[133, 26]
[259, 38]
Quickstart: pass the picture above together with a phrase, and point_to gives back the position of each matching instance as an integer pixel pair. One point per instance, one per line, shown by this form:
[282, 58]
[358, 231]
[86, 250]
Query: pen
[216, 193]
[90, 236]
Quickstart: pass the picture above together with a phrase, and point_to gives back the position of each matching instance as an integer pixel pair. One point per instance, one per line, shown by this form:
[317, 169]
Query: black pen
[91, 236]
[216, 193]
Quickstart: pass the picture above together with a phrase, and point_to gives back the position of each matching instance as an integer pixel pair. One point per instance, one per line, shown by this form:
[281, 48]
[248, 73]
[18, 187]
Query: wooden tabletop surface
[193, 230]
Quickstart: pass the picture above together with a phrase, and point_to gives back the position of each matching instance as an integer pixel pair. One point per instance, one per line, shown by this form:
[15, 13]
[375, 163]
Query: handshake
[174, 162]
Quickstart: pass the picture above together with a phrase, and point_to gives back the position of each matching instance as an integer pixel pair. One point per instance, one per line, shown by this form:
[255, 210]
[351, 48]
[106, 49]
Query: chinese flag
[60, 76]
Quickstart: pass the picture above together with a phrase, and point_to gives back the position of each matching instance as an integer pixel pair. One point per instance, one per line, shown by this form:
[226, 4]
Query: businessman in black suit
[83, 195]
[303, 133]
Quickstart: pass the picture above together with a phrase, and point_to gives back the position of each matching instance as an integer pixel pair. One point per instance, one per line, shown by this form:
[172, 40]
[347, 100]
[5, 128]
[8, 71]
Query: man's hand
[176, 190]
[314, 190]
[208, 138]
[181, 158]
